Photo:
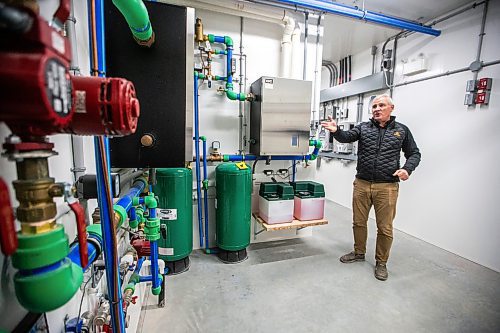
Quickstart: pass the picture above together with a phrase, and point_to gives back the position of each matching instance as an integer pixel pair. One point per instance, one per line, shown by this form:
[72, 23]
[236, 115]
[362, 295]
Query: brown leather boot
[352, 257]
[381, 271]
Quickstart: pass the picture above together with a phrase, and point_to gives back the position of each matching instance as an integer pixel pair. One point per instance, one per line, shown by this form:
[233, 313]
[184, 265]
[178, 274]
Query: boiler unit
[280, 116]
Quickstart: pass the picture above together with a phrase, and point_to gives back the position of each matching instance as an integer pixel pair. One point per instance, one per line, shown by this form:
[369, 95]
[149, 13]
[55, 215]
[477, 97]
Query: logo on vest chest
[397, 134]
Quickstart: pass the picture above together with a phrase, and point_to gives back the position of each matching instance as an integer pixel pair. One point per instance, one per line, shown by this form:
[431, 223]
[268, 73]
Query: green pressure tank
[175, 210]
[233, 210]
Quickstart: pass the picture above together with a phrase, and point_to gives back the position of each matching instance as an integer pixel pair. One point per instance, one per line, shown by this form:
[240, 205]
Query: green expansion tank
[175, 210]
[233, 210]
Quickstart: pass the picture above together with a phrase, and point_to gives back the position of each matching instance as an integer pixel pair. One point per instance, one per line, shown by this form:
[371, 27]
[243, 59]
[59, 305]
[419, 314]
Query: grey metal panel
[365, 84]
[189, 82]
[280, 116]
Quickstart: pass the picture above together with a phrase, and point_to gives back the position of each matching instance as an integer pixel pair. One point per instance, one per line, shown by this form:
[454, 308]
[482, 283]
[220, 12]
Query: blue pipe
[154, 255]
[138, 267]
[373, 17]
[219, 39]
[136, 189]
[229, 56]
[147, 278]
[205, 191]
[132, 214]
[228, 42]
[197, 156]
[108, 232]
[74, 254]
[312, 156]
[293, 171]
[155, 270]
[239, 158]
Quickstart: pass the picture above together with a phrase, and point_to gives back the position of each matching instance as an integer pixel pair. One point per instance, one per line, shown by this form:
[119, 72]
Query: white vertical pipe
[286, 47]
[317, 70]
[296, 70]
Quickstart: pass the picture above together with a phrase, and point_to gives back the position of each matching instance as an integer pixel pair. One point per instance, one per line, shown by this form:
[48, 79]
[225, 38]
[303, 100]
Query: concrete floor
[299, 285]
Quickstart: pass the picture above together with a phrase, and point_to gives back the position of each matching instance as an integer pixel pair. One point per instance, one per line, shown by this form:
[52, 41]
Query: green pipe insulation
[137, 18]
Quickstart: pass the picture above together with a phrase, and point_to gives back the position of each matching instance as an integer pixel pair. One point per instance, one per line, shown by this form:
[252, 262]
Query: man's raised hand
[330, 125]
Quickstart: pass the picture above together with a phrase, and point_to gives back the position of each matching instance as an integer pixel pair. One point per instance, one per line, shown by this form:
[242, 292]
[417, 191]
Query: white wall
[449, 201]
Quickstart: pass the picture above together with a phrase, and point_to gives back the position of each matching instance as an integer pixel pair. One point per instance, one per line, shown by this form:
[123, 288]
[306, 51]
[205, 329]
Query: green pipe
[137, 18]
[235, 96]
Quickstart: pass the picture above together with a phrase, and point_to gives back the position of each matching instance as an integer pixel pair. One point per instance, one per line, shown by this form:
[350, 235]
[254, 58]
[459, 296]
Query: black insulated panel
[159, 77]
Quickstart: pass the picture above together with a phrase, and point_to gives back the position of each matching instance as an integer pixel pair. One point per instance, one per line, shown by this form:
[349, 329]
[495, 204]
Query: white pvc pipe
[296, 70]
[286, 47]
[317, 74]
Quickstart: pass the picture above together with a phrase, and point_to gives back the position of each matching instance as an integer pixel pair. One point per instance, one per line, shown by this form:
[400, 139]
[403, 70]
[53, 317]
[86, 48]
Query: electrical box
[415, 66]
[163, 80]
[471, 86]
[484, 83]
[279, 117]
[469, 99]
[344, 148]
[482, 98]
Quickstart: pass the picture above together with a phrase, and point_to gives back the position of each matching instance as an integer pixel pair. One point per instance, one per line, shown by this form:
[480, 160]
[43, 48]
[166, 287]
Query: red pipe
[8, 236]
[82, 232]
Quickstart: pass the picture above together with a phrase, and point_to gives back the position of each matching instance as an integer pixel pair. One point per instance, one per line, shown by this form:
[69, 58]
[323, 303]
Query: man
[377, 180]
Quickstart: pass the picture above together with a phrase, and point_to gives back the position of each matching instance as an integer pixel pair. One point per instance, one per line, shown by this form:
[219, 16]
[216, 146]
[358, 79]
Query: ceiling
[344, 36]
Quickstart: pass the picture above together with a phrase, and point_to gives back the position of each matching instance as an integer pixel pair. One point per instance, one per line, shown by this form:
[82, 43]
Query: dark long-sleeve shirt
[379, 149]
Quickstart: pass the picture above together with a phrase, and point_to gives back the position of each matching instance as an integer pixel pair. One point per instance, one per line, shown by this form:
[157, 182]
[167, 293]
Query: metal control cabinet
[280, 116]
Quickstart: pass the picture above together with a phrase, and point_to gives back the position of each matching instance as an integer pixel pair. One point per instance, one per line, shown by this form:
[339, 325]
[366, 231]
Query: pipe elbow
[150, 201]
[137, 17]
[228, 41]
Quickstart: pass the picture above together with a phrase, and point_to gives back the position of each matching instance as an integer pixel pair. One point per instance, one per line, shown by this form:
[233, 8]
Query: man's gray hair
[387, 97]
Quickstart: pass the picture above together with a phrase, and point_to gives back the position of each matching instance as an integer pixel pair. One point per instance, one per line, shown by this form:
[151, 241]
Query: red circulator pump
[40, 97]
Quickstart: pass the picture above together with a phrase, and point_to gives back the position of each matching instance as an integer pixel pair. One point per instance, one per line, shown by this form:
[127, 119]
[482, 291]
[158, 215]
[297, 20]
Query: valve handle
[8, 236]
[63, 11]
[82, 232]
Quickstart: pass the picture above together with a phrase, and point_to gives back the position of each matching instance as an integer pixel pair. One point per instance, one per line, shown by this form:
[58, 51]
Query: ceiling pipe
[366, 15]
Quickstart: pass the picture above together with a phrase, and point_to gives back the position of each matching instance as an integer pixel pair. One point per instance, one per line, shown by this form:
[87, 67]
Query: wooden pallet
[295, 224]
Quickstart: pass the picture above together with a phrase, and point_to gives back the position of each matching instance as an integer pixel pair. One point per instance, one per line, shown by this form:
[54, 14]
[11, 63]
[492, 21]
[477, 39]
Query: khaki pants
[383, 196]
